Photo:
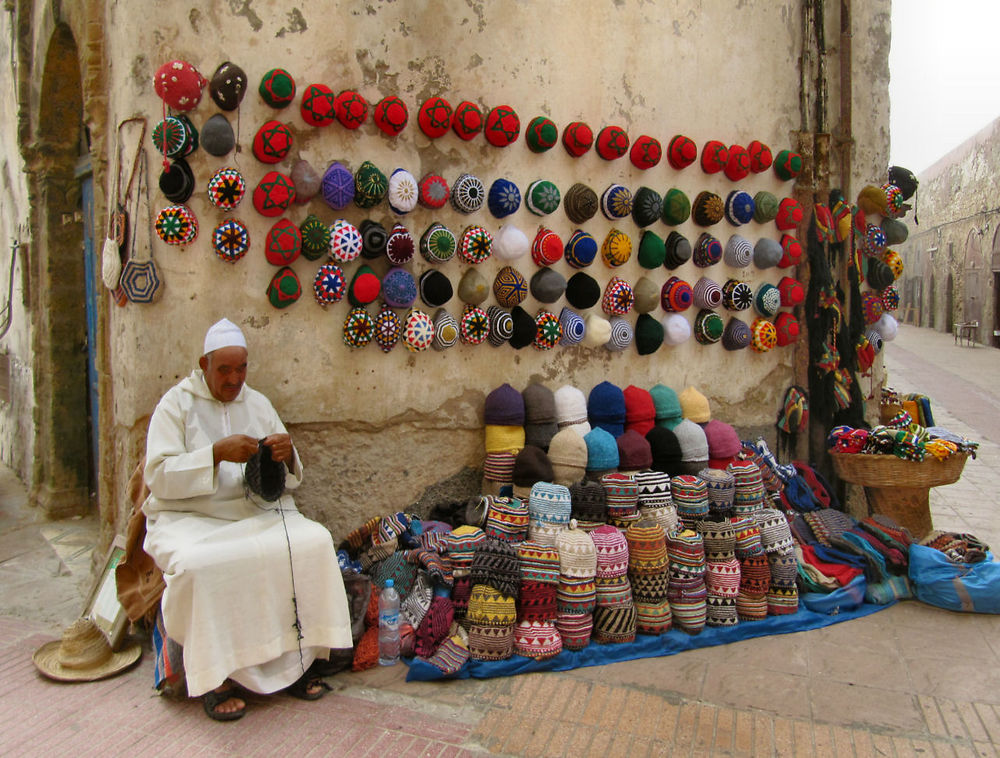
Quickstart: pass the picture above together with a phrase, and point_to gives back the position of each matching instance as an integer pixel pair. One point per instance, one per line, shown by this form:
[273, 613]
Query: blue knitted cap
[602, 450]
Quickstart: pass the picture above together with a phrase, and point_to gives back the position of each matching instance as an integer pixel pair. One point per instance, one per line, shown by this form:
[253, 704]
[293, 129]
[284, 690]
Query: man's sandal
[304, 687]
[212, 700]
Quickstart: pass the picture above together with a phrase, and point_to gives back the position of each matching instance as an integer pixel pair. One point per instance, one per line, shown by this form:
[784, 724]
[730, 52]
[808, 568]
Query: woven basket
[890, 471]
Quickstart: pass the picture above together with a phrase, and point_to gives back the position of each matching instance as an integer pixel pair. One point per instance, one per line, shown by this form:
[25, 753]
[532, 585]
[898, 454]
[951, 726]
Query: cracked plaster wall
[377, 431]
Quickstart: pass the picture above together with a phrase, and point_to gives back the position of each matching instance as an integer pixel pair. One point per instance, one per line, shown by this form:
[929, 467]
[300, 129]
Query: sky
[944, 83]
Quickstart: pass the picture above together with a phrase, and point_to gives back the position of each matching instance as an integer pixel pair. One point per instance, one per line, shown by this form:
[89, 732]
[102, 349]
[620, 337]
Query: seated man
[253, 589]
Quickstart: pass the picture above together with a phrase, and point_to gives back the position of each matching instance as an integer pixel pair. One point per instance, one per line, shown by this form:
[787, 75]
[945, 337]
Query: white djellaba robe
[224, 555]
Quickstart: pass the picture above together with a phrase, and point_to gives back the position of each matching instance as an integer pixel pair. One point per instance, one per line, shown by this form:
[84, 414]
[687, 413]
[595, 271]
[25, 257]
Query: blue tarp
[646, 646]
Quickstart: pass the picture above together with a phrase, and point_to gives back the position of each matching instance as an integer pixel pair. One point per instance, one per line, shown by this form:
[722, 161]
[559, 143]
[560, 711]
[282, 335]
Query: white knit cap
[223, 333]
[676, 329]
[510, 243]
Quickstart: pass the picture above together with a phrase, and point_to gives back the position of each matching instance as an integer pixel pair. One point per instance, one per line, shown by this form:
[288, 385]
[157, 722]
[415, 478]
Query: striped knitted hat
[498, 467]
[755, 574]
[589, 503]
[719, 487]
[719, 538]
[652, 490]
[747, 537]
[416, 605]
[647, 548]
[686, 550]
[575, 629]
[751, 607]
[538, 562]
[460, 544]
[506, 518]
[490, 607]
[690, 611]
[782, 601]
[749, 492]
[722, 577]
[536, 601]
[622, 495]
[613, 590]
[433, 628]
[451, 655]
[577, 596]
[614, 624]
[491, 643]
[549, 504]
[577, 554]
[784, 568]
[775, 534]
[494, 563]
[653, 617]
[611, 550]
[690, 496]
[537, 639]
[650, 588]
[721, 611]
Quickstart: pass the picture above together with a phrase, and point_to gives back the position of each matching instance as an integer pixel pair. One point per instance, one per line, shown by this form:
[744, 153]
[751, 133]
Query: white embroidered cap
[223, 333]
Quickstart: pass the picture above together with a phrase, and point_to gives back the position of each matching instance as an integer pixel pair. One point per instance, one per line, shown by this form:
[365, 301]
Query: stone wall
[377, 432]
[951, 257]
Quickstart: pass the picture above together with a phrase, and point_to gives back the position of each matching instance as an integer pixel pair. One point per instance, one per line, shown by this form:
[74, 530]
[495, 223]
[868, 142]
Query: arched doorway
[932, 304]
[61, 481]
[995, 270]
[972, 300]
[949, 303]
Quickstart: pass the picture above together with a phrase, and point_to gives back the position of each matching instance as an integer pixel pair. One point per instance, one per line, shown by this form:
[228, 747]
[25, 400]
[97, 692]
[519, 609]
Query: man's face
[225, 371]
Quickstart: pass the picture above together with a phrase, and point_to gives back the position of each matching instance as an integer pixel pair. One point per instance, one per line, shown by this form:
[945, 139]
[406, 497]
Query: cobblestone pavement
[910, 680]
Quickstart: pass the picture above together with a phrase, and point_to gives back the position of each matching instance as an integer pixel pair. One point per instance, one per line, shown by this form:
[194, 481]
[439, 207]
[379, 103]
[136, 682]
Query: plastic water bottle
[388, 625]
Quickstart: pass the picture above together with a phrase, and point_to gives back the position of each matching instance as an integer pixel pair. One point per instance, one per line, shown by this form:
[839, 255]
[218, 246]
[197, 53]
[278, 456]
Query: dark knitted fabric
[434, 626]
[495, 564]
[437, 566]
[588, 501]
[264, 476]
[537, 601]
[614, 624]
[530, 466]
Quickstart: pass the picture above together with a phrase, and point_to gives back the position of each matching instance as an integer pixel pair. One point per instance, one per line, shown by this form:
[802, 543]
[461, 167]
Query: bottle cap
[389, 582]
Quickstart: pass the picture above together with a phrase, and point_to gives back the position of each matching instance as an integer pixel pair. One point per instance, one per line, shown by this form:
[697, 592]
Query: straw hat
[83, 655]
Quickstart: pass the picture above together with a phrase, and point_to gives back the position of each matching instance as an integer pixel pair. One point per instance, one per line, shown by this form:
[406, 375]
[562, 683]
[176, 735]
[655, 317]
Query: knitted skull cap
[445, 330]
[510, 243]
[573, 327]
[714, 157]
[602, 450]
[542, 197]
[577, 554]
[539, 640]
[887, 326]
[736, 335]
[616, 202]
[691, 437]
[316, 237]
[434, 117]
[494, 563]
[284, 288]
[475, 245]
[390, 115]
[582, 291]
[723, 441]
[402, 191]
[547, 285]
[227, 86]
[177, 185]
[504, 198]
[170, 137]
[550, 504]
[738, 252]
[765, 207]
[707, 209]
[539, 404]
[616, 248]
[524, 328]
[737, 295]
[345, 241]
[676, 329]
[647, 546]
[506, 519]
[541, 134]
[880, 275]
[708, 251]
[738, 166]
[792, 292]
[767, 253]
[283, 243]
[739, 208]
[646, 152]
[681, 152]
[706, 293]
[370, 185]
[667, 405]
[787, 328]
[472, 288]
[418, 331]
[467, 120]
[571, 409]
[589, 501]
[622, 334]
[647, 295]
[634, 453]
[318, 107]
[468, 194]
[539, 562]
[760, 156]
[890, 298]
[399, 288]
[787, 165]
[676, 207]
[640, 411]
[435, 288]
[568, 455]
[546, 248]
[612, 143]
[648, 334]
[272, 142]
[789, 214]
[606, 403]
[364, 287]
[580, 203]
[611, 550]
[652, 251]
[575, 629]
[359, 328]
[653, 487]
[678, 250]
[274, 193]
[597, 331]
[501, 325]
[708, 327]
[694, 406]
[502, 126]
[896, 232]
[531, 465]
[217, 136]
[510, 287]
[894, 261]
[763, 335]
[231, 240]
[433, 191]
[767, 301]
[647, 205]
[504, 406]
[665, 449]
[337, 186]
[179, 85]
[581, 249]
[474, 326]
[399, 247]
[577, 138]
[618, 297]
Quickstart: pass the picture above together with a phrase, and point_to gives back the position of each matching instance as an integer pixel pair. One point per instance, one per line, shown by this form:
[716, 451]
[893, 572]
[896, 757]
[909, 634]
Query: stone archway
[60, 481]
[972, 285]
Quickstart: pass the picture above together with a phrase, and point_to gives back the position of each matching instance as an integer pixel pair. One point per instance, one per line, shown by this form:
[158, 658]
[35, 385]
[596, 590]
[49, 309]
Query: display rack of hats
[729, 271]
[630, 512]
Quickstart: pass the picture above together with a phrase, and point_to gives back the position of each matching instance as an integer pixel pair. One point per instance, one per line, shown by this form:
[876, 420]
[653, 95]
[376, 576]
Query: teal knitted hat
[668, 407]
[602, 450]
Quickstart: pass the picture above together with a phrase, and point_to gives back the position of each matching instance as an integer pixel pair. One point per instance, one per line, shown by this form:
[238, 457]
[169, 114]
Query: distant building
[952, 258]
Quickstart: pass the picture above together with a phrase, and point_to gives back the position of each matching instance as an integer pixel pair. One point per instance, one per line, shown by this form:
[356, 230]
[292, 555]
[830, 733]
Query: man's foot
[222, 703]
[308, 687]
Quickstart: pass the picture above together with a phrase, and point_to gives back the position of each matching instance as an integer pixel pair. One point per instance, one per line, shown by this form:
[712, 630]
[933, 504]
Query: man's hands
[239, 447]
